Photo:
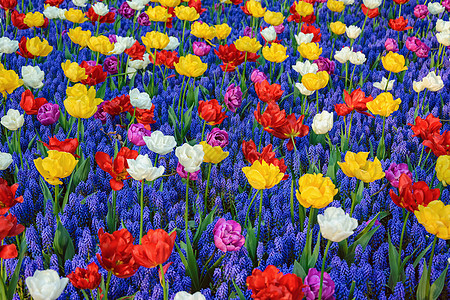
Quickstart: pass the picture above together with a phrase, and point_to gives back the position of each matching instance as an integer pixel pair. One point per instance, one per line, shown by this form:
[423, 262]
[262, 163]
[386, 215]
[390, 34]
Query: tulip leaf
[101, 91]
[202, 226]
[395, 272]
[63, 244]
[251, 244]
[190, 264]
[78, 176]
[313, 259]
[45, 192]
[438, 285]
[381, 149]
[238, 290]
[423, 286]
[421, 255]
[298, 270]
[15, 276]
[2, 290]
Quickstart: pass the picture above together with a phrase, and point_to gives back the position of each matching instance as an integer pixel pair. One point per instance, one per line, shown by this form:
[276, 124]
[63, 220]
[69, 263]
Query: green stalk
[164, 285]
[401, 240]
[205, 198]
[323, 268]
[259, 217]
[141, 226]
[186, 211]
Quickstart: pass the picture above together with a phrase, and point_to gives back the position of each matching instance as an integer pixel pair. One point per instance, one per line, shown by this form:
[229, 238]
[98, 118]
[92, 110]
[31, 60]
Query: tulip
[233, 97]
[79, 36]
[315, 190]
[312, 282]
[155, 248]
[304, 9]
[173, 43]
[201, 48]
[335, 6]
[186, 13]
[211, 112]
[73, 71]
[384, 105]
[310, 51]
[275, 53]
[357, 165]
[191, 157]
[13, 120]
[186, 296]
[158, 14]
[303, 38]
[30, 104]
[246, 44]
[140, 100]
[56, 166]
[141, 168]
[34, 19]
[442, 169]
[100, 44]
[323, 122]
[136, 133]
[262, 175]
[336, 225]
[9, 81]
[384, 85]
[269, 34]
[213, 154]
[217, 137]
[255, 9]
[222, 31]
[203, 31]
[48, 114]
[306, 67]
[227, 235]
[434, 218]
[84, 279]
[338, 28]
[273, 18]
[353, 32]
[81, 102]
[190, 66]
[5, 160]
[46, 285]
[394, 62]
[257, 76]
[394, 172]
[159, 143]
[314, 82]
[7, 196]
[75, 16]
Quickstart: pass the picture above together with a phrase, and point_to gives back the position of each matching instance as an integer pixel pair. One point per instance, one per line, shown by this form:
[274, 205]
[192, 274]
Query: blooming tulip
[46, 285]
[336, 225]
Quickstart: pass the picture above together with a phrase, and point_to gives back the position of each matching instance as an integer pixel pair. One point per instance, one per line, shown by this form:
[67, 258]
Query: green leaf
[421, 255]
[45, 191]
[202, 226]
[381, 149]
[394, 275]
[421, 293]
[173, 120]
[2, 290]
[438, 285]
[77, 177]
[31, 142]
[15, 276]
[63, 244]
[101, 91]
[298, 270]
[251, 244]
[190, 265]
[238, 290]
[313, 259]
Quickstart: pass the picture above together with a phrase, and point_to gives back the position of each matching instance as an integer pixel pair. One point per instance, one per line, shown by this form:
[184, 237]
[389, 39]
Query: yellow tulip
[186, 13]
[304, 9]
[394, 62]
[247, 44]
[37, 47]
[170, 3]
[55, 166]
[100, 44]
[75, 16]
[262, 175]
[190, 66]
[255, 9]
[273, 18]
[443, 169]
[73, 71]
[275, 53]
[35, 19]
[79, 36]
[213, 154]
[155, 40]
[9, 81]
[357, 165]
[314, 82]
[435, 218]
[315, 190]
[158, 14]
[336, 6]
[203, 31]
[222, 31]
[81, 102]
[338, 27]
[310, 51]
[384, 104]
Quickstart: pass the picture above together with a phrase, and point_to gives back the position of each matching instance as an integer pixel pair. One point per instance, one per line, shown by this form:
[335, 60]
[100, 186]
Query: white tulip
[100, 9]
[348, 2]
[433, 82]
[53, 12]
[336, 225]
[79, 3]
[382, 84]
[33, 77]
[46, 285]
[190, 157]
[304, 38]
[443, 38]
[442, 25]
[357, 58]
[418, 86]
[137, 4]
[186, 296]
[127, 41]
[142, 168]
[139, 64]
[5, 160]
[435, 8]
[173, 43]
[140, 100]
[159, 143]
[343, 55]
[372, 4]
[323, 122]
[305, 67]
[269, 34]
[353, 31]
[8, 46]
[13, 120]
[303, 90]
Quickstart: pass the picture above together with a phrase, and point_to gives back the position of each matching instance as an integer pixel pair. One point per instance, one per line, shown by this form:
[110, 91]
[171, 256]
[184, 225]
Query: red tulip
[30, 104]
[118, 105]
[268, 92]
[116, 253]
[95, 74]
[56, 3]
[295, 16]
[410, 195]
[93, 17]
[272, 116]
[145, 116]
[7, 196]
[155, 249]
[86, 279]
[23, 51]
[251, 154]
[167, 58]
[272, 284]
[439, 144]
[197, 4]
[8, 4]
[117, 168]
[291, 129]
[9, 228]
[426, 127]
[68, 145]
[136, 52]
[371, 13]
[356, 101]
[311, 29]
[211, 112]
[399, 24]
[17, 20]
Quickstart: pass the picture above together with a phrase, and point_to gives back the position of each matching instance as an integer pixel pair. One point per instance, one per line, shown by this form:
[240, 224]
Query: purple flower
[279, 28]
[421, 11]
[48, 114]
[136, 134]
[412, 43]
[91, 63]
[391, 45]
[325, 64]
[111, 65]
[257, 76]
[112, 38]
[233, 97]
[394, 171]
[201, 48]
[143, 19]
[248, 32]
[423, 50]
[183, 174]
[100, 114]
[126, 11]
[446, 4]
[227, 235]
[217, 137]
[312, 280]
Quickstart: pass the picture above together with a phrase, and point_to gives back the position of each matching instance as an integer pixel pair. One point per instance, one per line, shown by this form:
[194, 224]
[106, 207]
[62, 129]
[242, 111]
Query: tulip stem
[317, 101]
[387, 84]
[186, 211]
[401, 239]
[85, 295]
[203, 129]
[205, 198]
[164, 285]
[430, 261]
[108, 280]
[56, 206]
[350, 127]
[182, 39]
[292, 198]
[259, 217]
[248, 209]
[78, 137]
[364, 25]
[141, 226]
[323, 268]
